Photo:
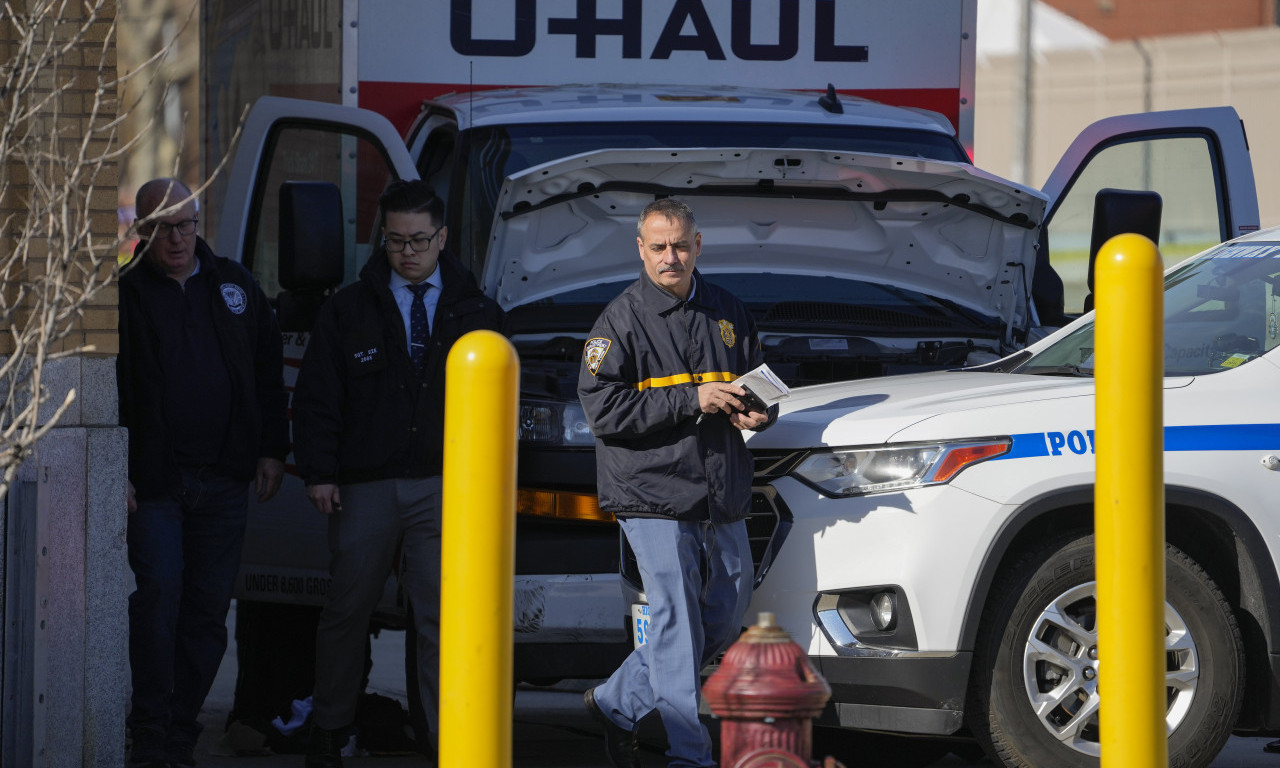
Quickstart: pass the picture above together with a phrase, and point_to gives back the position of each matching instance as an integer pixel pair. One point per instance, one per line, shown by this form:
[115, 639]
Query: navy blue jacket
[360, 412]
[646, 355]
[250, 344]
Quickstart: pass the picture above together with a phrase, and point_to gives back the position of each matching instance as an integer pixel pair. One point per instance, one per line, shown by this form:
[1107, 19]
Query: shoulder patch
[235, 297]
[726, 333]
[593, 353]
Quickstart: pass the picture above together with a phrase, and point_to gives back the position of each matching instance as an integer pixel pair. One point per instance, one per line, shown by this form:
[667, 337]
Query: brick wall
[93, 199]
[1127, 19]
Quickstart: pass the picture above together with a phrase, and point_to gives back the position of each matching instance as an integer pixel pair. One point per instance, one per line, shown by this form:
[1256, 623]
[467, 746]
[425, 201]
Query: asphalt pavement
[550, 729]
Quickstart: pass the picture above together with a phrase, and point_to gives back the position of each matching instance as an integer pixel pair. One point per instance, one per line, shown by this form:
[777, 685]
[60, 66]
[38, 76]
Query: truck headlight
[551, 422]
[859, 471]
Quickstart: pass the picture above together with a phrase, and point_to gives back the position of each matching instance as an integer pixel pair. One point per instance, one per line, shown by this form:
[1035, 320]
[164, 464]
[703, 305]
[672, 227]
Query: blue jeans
[185, 552]
[697, 578]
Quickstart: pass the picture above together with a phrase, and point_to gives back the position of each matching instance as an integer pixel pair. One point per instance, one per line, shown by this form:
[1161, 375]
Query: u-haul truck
[850, 219]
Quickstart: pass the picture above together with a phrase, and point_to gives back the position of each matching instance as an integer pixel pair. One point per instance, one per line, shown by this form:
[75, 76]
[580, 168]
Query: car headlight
[859, 471]
[548, 422]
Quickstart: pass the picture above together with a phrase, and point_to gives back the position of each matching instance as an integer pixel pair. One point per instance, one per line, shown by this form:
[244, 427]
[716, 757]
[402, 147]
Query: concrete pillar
[66, 576]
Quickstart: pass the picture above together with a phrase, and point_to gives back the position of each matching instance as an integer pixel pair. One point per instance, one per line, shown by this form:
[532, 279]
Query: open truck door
[291, 158]
[1197, 160]
[300, 212]
[285, 140]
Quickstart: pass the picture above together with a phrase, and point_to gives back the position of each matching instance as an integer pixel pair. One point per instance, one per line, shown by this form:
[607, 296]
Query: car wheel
[1035, 681]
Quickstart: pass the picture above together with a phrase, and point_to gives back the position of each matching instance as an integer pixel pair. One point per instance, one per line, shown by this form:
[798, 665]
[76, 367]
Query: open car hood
[944, 229]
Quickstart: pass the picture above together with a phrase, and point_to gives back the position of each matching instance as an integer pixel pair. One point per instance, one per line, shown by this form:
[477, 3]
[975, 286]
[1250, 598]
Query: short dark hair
[669, 208]
[414, 196]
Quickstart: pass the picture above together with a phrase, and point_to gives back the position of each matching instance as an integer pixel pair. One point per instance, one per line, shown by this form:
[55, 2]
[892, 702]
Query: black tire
[1061, 576]
[876, 749]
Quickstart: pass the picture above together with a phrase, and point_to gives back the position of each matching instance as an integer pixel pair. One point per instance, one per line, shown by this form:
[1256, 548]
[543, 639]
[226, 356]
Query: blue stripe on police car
[1199, 437]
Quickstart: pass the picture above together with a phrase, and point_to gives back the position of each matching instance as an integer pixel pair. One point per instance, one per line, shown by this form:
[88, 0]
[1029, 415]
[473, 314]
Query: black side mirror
[1117, 212]
[311, 250]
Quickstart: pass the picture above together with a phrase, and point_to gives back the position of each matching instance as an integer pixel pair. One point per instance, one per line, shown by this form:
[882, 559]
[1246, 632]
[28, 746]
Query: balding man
[202, 395]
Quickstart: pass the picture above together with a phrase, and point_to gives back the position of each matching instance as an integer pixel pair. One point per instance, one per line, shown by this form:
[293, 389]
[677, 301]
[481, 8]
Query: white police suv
[932, 544]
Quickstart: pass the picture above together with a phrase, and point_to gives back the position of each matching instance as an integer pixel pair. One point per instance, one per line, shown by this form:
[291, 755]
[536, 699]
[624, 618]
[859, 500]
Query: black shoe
[619, 743]
[324, 748]
[147, 750]
[180, 755]
[182, 761]
[1272, 746]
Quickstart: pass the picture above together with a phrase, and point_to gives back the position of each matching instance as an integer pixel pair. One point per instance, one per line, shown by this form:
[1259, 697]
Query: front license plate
[639, 624]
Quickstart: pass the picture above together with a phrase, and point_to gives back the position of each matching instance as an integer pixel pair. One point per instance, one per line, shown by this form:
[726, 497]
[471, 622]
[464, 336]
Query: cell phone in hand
[752, 403]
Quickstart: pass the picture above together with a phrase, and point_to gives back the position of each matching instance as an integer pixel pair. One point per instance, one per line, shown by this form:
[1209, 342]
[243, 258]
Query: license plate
[639, 624]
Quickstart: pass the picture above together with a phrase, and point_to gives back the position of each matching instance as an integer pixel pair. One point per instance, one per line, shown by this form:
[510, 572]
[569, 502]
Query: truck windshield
[814, 328]
[1221, 310]
[489, 154]
[786, 304]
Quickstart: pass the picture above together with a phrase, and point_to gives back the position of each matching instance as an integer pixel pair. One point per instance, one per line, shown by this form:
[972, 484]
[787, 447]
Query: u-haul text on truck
[850, 219]
[391, 55]
[864, 48]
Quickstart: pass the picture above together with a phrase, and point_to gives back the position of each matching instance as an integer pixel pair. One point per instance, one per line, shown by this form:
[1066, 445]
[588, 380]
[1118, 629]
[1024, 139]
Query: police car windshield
[1221, 310]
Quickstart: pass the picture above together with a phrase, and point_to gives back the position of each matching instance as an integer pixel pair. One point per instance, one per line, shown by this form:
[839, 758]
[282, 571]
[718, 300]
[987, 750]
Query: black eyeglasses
[162, 229]
[420, 243]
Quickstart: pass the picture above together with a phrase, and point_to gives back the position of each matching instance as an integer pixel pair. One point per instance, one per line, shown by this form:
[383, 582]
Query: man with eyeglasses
[201, 389]
[368, 425]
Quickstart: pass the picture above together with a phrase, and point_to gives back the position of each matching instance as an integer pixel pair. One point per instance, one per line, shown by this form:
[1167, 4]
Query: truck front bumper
[569, 626]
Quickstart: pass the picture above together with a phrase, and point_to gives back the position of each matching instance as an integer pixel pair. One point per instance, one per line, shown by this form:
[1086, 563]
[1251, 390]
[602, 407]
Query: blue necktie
[419, 331]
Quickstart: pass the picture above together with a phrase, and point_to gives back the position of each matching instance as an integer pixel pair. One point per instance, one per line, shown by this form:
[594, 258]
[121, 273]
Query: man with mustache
[657, 387]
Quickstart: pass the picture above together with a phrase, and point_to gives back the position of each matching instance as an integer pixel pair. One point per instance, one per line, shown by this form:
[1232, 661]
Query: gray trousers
[363, 536]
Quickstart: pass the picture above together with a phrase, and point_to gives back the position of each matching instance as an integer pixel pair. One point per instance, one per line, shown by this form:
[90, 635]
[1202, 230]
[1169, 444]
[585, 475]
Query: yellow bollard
[1129, 503]
[482, 394]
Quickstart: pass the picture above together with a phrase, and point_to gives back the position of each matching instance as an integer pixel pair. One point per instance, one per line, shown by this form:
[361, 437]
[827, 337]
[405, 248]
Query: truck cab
[860, 234]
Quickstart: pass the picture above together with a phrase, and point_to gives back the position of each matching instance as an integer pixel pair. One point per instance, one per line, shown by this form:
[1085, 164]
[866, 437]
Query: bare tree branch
[60, 150]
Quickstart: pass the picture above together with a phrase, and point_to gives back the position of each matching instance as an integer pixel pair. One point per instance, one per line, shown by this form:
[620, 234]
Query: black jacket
[250, 345]
[360, 412]
[638, 385]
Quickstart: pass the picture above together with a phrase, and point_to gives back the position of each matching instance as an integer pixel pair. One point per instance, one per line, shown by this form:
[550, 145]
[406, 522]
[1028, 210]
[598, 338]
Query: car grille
[769, 520]
[844, 315]
[771, 465]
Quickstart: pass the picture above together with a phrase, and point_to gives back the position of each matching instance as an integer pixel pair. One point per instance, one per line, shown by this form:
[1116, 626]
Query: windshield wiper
[1059, 370]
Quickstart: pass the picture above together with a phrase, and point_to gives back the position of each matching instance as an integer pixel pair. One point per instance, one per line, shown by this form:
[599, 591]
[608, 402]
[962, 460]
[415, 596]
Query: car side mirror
[311, 250]
[1121, 211]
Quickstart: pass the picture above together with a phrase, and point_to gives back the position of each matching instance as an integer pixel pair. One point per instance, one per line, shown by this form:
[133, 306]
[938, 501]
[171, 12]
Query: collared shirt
[404, 298]
[196, 394]
[693, 289]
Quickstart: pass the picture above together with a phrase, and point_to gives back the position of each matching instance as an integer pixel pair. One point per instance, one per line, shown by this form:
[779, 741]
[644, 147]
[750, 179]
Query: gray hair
[669, 208]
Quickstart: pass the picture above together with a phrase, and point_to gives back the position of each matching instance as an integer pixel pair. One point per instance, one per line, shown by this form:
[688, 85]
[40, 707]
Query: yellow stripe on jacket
[686, 378]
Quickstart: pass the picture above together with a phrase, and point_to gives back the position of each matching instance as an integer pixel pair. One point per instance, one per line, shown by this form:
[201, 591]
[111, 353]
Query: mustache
[665, 268]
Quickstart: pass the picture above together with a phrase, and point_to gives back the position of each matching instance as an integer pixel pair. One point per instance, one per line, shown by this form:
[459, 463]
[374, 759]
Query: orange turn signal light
[959, 458]
[560, 505]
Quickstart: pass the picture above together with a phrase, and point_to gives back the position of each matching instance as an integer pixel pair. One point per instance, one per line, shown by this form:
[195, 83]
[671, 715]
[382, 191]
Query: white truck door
[1196, 159]
[296, 140]
[360, 152]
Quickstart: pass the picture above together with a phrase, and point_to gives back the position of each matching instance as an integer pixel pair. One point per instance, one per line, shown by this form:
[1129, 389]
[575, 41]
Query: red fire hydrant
[766, 694]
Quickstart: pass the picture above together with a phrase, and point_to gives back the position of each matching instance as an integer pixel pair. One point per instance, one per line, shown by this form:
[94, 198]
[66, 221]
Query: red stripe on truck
[401, 102]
